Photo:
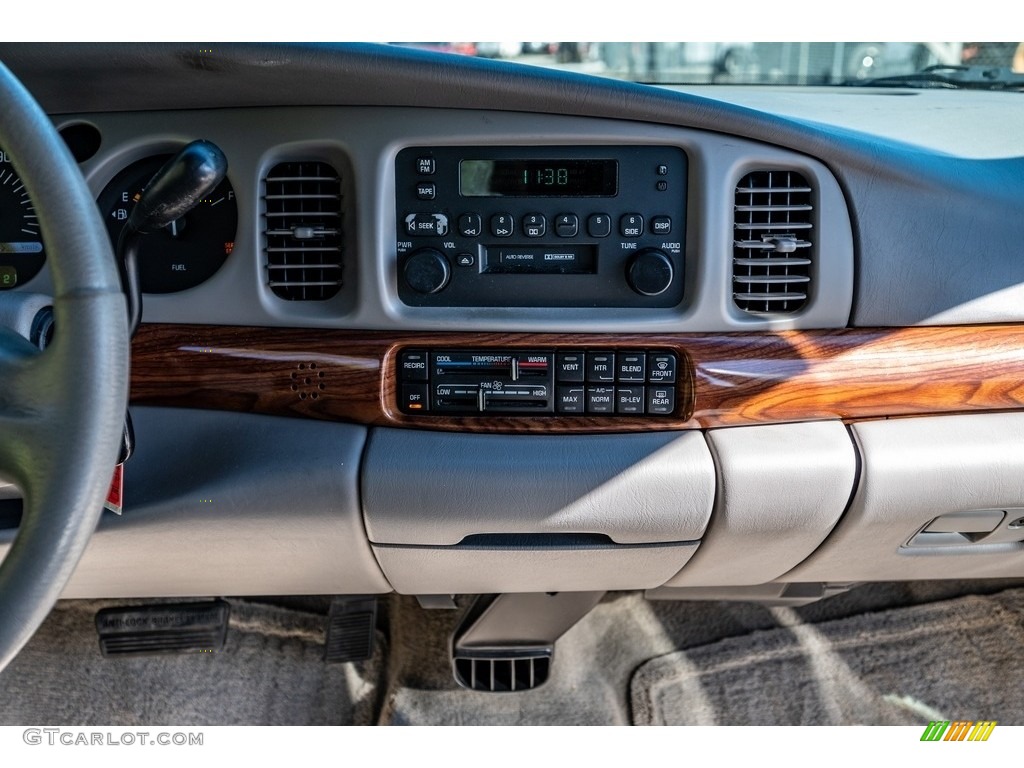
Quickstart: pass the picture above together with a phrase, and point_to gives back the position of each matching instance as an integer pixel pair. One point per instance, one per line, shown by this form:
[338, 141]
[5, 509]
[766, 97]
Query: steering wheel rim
[61, 410]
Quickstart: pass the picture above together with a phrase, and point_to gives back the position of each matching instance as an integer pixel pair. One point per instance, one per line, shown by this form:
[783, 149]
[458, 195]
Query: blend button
[631, 366]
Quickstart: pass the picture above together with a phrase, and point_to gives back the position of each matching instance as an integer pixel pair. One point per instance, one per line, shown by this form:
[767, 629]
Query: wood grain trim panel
[729, 379]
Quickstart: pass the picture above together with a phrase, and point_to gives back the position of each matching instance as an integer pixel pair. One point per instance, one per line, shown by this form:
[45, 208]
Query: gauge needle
[176, 227]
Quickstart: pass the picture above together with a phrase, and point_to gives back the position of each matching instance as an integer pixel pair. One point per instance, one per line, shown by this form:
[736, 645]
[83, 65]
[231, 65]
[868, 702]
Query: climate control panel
[579, 226]
[596, 382]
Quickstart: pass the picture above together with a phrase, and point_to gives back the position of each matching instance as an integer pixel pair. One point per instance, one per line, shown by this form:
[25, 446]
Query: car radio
[579, 226]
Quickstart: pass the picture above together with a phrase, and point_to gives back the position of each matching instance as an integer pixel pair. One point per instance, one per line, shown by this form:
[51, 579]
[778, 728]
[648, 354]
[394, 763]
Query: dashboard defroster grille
[772, 242]
[302, 227]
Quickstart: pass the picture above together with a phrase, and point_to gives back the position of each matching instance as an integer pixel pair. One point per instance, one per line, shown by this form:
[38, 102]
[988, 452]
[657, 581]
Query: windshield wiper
[951, 76]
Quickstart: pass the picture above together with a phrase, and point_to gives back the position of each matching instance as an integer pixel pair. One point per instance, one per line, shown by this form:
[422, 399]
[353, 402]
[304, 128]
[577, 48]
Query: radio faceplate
[552, 226]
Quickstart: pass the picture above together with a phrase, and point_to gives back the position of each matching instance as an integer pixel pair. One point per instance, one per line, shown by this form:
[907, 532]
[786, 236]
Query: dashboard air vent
[302, 230]
[772, 242]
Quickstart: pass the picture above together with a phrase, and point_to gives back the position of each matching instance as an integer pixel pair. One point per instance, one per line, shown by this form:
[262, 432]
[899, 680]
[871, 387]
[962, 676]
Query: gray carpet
[950, 660]
[270, 673]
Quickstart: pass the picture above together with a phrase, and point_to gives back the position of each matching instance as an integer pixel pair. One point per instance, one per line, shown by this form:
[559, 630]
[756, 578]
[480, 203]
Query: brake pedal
[163, 628]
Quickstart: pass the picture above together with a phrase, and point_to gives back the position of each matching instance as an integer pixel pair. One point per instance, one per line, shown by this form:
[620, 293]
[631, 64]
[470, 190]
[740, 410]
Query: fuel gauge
[187, 251]
[21, 245]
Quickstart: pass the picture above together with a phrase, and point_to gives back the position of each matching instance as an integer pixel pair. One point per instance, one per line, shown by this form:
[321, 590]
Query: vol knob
[650, 272]
[427, 271]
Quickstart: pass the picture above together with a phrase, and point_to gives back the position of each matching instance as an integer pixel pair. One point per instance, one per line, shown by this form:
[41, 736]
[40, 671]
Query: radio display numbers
[538, 178]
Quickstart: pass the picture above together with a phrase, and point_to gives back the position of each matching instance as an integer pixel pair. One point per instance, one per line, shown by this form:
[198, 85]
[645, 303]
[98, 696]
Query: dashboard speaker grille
[302, 228]
[772, 242]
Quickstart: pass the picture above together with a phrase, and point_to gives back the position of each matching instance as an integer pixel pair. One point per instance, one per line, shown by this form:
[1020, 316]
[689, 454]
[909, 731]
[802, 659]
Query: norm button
[661, 368]
[600, 366]
[600, 399]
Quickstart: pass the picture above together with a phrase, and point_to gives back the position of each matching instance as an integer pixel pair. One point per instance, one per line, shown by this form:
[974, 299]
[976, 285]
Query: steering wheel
[61, 410]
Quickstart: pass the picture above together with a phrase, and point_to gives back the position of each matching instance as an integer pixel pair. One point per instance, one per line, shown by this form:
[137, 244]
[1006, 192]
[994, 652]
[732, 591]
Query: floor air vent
[302, 229]
[772, 242]
[502, 672]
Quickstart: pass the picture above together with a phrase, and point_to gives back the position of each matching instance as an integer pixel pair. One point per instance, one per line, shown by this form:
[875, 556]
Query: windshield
[747, 63]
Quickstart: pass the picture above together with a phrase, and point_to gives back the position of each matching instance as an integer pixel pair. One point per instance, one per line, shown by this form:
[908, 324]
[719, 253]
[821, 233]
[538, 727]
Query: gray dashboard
[933, 182]
[362, 144]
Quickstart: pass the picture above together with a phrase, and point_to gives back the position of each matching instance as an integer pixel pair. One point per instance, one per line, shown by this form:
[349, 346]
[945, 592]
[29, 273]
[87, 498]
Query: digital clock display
[538, 178]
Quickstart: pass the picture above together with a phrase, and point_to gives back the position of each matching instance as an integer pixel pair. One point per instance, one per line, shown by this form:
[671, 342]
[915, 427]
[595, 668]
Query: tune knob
[650, 272]
[427, 271]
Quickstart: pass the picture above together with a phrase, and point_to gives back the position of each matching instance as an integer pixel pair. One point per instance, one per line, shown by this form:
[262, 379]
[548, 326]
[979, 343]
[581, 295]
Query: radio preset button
[599, 225]
[567, 225]
[502, 225]
[469, 225]
[535, 225]
[600, 399]
[426, 190]
[631, 225]
[601, 366]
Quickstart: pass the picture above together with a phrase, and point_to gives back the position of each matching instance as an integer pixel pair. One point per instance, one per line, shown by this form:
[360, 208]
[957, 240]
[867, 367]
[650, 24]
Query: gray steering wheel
[61, 411]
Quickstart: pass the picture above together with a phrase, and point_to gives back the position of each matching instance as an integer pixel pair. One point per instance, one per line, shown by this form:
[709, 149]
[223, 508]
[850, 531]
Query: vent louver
[772, 242]
[302, 227]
